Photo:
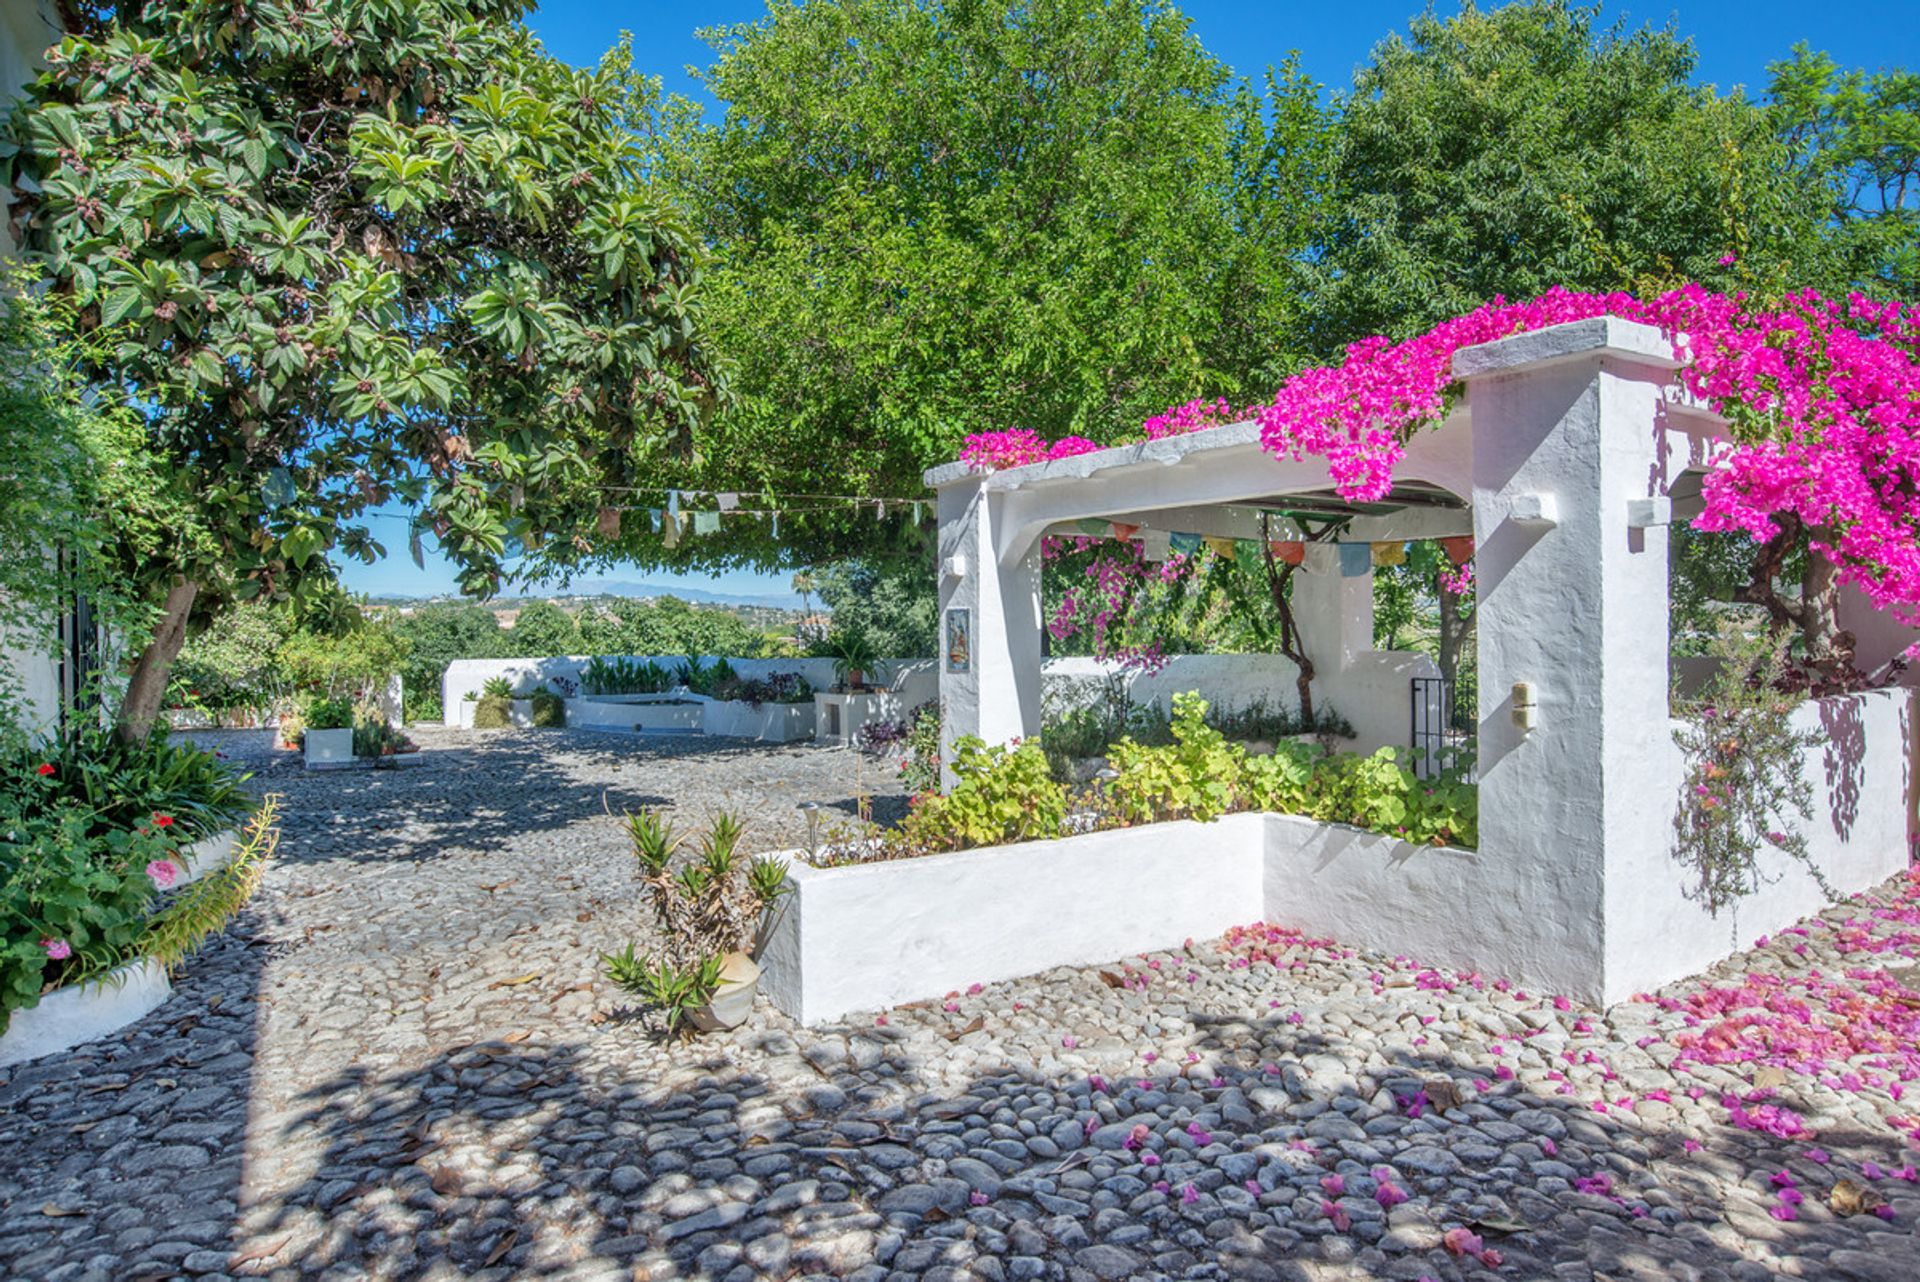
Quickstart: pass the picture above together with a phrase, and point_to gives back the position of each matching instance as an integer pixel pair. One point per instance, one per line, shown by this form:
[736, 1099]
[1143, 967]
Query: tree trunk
[147, 685]
[1829, 650]
[1291, 643]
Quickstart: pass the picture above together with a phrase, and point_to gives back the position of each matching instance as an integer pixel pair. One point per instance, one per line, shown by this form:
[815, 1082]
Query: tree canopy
[356, 254]
[934, 219]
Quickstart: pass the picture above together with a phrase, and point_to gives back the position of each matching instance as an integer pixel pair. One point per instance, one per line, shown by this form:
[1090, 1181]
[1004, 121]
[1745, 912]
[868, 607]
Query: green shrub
[493, 712]
[328, 714]
[549, 710]
[920, 772]
[1195, 777]
[122, 785]
[1000, 794]
[1282, 781]
[626, 676]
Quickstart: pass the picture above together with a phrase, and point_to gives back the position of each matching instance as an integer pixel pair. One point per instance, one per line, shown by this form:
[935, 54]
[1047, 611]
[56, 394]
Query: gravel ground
[400, 1062]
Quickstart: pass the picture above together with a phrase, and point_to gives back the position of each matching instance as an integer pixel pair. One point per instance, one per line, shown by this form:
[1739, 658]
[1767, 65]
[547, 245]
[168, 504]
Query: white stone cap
[1168, 449]
[1597, 335]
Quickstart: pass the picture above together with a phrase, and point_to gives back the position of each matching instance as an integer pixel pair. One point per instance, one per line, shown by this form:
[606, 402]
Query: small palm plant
[854, 658]
[712, 912]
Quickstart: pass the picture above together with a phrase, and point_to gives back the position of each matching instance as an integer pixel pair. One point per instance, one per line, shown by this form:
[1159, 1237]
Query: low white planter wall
[329, 747]
[664, 713]
[768, 723]
[209, 854]
[873, 935]
[1371, 891]
[67, 1017]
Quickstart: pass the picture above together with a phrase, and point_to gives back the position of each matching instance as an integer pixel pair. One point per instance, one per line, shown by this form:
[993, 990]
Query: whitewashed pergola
[1564, 462]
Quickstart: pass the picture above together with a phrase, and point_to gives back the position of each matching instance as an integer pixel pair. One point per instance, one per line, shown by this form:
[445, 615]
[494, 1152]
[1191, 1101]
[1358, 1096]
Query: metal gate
[1437, 739]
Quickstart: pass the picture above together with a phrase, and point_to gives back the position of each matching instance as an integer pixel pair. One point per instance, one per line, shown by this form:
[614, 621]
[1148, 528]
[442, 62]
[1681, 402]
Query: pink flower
[1253, 1187]
[974, 990]
[1548, 1147]
[163, 873]
[1149, 1159]
[1332, 1210]
[1138, 1135]
[57, 949]
[1335, 1185]
[977, 1198]
[1070, 1041]
[1189, 1195]
[1462, 1241]
[1389, 1195]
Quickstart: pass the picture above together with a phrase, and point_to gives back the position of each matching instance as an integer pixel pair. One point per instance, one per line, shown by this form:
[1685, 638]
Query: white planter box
[838, 715]
[209, 854]
[768, 723]
[655, 714]
[874, 935]
[329, 748]
[67, 1017]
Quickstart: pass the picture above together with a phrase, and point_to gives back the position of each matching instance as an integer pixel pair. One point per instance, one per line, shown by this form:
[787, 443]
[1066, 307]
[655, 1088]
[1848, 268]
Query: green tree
[236, 665]
[542, 630]
[666, 626]
[1857, 135]
[933, 219]
[1508, 151]
[355, 254]
[438, 634]
[895, 603]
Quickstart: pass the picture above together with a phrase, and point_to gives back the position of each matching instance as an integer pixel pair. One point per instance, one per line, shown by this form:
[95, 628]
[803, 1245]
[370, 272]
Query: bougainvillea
[1823, 399]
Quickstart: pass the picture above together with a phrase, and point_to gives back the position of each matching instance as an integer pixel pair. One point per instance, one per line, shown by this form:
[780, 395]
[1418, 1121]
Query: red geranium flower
[46, 768]
[163, 821]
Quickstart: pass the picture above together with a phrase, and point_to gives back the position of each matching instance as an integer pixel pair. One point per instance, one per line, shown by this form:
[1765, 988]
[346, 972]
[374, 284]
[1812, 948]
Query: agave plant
[705, 910]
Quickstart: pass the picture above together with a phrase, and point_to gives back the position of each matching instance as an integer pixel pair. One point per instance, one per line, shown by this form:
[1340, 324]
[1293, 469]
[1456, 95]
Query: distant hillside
[588, 588]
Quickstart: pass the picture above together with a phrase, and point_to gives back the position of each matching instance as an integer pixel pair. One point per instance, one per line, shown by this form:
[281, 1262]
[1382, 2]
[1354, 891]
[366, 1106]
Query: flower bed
[113, 855]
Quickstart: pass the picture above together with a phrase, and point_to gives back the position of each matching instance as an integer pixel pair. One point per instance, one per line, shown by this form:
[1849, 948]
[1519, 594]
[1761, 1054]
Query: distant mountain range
[618, 587]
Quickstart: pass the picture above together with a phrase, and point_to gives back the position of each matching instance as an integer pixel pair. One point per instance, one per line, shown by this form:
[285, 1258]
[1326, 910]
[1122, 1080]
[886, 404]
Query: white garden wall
[67, 1017]
[873, 935]
[1859, 836]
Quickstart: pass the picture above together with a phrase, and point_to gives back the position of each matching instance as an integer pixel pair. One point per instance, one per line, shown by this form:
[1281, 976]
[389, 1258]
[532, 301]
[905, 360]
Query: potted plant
[714, 915]
[329, 731]
[853, 658]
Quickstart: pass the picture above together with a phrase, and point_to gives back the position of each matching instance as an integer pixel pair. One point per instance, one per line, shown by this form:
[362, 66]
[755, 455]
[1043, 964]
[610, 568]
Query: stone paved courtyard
[401, 1062]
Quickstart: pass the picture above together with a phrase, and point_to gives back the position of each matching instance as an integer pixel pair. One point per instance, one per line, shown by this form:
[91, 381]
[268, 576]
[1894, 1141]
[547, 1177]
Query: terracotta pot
[733, 1000]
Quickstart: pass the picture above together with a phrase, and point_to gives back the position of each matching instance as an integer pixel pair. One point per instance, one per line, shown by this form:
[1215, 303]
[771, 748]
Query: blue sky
[1735, 40]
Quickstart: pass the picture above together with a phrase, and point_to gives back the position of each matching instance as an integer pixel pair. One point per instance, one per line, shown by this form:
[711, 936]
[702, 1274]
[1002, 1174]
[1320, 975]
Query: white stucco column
[1576, 813]
[997, 695]
[1335, 615]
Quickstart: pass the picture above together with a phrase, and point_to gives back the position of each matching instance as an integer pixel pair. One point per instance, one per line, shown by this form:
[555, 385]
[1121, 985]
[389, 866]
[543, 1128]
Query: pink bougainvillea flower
[880, 1021]
[1333, 1211]
[1389, 1195]
[1200, 1134]
[163, 873]
[1149, 1159]
[974, 990]
[1149, 1057]
[1160, 1186]
[951, 1007]
[1782, 1179]
[1548, 1147]
[57, 949]
[1253, 1187]
[1503, 1072]
[1138, 1135]
[1690, 1145]
[1335, 1185]
[1097, 1082]
[1070, 1041]
[1189, 1195]
[1818, 1155]
[1781, 1211]
[977, 1198]
[1462, 1241]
